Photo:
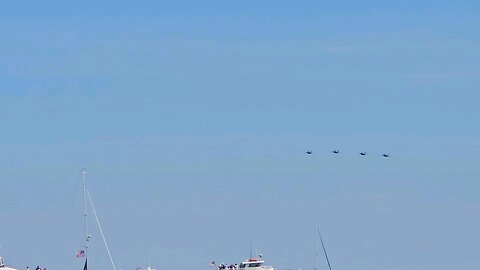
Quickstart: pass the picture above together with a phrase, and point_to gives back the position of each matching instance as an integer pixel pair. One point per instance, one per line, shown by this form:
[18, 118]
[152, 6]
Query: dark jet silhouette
[385, 155]
[363, 153]
[336, 151]
[309, 152]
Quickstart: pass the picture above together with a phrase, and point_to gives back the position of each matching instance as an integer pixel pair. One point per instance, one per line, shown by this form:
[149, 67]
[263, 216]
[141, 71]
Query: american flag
[80, 253]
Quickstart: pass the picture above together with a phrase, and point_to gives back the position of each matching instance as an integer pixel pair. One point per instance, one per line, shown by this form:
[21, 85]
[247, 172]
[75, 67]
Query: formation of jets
[337, 151]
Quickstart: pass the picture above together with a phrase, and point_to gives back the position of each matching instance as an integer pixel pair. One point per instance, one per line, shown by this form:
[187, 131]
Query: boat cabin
[251, 263]
[1, 262]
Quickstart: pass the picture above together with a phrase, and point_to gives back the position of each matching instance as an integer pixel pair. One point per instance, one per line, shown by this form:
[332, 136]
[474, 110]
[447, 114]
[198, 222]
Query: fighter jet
[309, 152]
[336, 151]
[363, 153]
[385, 155]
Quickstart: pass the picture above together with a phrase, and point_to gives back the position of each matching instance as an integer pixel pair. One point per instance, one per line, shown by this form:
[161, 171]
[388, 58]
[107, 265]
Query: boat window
[242, 265]
[254, 265]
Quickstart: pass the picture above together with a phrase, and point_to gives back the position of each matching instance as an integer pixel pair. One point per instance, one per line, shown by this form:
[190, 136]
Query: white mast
[316, 248]
[87, 236]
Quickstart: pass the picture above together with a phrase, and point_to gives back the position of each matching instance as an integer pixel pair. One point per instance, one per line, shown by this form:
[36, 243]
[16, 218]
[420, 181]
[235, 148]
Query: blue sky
[193, 118]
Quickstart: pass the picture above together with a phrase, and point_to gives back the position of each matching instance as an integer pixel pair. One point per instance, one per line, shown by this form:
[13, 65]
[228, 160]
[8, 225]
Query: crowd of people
[229, 266]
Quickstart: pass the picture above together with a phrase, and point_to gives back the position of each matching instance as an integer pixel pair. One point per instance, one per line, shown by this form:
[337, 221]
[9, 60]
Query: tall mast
[316, 247]
[87, 236]
[86, 196]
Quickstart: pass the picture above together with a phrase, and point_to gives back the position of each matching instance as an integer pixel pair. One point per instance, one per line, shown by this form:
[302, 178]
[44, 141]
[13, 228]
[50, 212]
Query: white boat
[3, 267]
[250, 264]
[255, 264]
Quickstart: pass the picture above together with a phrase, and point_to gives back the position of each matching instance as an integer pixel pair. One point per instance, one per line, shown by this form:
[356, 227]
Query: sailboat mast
[87, 237]
[316, 247]
[86, 196]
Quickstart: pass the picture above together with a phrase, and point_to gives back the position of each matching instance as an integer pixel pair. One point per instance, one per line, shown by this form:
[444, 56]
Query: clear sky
[193, 117]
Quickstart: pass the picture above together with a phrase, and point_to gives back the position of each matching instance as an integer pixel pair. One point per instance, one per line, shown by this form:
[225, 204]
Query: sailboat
[87, 197]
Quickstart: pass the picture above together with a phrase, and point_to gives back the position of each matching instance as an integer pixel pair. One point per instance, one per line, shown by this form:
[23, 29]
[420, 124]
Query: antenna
[251, 256]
